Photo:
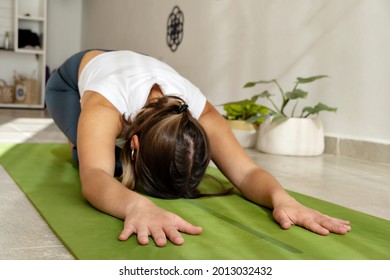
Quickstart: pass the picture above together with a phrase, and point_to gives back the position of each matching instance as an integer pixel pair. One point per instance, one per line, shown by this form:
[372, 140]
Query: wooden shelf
[29, 51]
[30, 15]
[28, 18]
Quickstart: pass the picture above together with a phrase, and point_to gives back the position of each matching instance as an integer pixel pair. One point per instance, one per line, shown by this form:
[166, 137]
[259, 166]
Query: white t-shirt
[125, 78]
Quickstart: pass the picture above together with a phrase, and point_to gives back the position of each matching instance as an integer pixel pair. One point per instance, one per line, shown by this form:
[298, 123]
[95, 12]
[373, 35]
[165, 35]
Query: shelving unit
[27, 60]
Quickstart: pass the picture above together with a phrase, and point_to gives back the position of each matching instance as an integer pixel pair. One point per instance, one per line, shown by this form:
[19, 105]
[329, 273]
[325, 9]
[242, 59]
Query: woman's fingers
[174, 235]
[172, 232]
[335, 225]
[126, 232]
[158, 236]
[167, 227]
[186, 227]
[311, 220]
[143, 237]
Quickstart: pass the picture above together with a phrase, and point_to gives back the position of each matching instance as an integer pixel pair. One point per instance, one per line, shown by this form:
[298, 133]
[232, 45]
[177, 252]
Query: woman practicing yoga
[132, 117]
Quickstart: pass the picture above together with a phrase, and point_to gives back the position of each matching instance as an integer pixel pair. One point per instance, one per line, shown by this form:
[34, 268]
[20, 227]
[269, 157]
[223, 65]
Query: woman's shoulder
[92, 100]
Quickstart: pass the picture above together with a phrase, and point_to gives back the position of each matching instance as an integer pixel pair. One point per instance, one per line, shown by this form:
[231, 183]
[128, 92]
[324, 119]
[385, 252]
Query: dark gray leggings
[63, 103]
[63, 97]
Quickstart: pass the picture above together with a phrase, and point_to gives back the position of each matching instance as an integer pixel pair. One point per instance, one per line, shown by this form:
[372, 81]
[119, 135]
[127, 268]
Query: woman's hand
[146, 219]
[294, 213]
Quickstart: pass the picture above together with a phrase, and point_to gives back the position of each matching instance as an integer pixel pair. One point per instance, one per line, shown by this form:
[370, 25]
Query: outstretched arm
[98, 127]
[257, 184]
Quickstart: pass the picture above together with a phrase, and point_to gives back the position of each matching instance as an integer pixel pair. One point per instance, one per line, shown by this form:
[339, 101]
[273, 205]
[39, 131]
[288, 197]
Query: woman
[103, 100]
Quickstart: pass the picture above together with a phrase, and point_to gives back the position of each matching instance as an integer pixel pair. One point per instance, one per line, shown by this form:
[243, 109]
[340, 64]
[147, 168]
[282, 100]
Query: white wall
[63, 30]
[227, 43]
[6, 19]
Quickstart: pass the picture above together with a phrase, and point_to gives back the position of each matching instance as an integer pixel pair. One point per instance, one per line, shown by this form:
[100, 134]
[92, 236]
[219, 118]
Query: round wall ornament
[175, 28]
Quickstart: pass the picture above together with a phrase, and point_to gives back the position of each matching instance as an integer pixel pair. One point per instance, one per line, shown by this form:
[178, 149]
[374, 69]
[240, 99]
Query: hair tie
[182, 108]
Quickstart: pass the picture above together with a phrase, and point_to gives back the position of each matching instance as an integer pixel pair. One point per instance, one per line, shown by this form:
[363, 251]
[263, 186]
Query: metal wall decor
[175, 28]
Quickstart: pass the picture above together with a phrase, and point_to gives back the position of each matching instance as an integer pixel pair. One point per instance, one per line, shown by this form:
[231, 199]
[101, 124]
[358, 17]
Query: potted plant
[295, 134]
[244, 117]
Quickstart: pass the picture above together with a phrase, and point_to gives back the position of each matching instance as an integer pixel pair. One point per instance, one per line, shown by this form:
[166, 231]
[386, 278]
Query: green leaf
[233, 111]
[278, 117]
[252, 84]
[309, 111]
[310, 79]
[244, 109]
[249, 84]
[233, 107]
[296, 93]
[256, 119]
[254, 98]
[265, 94]
[258, 109]
[317, 109]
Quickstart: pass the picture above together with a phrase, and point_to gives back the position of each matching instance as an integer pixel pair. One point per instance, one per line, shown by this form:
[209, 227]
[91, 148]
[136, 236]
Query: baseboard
[372, 151]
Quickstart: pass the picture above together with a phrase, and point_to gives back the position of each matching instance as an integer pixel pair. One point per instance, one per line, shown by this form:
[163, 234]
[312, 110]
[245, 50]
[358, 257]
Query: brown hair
[173, 153]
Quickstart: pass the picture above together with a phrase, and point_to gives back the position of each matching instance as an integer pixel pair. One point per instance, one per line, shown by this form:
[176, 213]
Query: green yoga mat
[234, 228]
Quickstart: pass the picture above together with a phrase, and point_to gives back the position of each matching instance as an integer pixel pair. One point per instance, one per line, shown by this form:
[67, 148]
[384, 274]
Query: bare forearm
[262, 188]
[107, 194]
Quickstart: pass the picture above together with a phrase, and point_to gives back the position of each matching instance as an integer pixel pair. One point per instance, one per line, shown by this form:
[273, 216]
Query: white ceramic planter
[246, 133]
[293, 137]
